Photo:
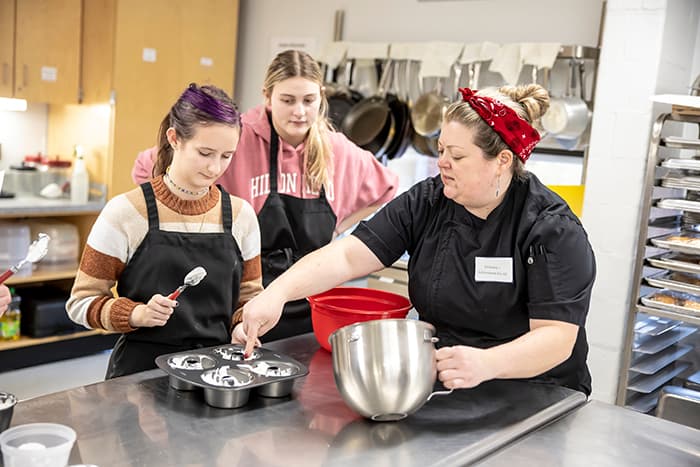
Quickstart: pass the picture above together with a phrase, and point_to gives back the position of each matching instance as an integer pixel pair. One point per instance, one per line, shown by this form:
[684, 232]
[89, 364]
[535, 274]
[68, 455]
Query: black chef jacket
[545, 266]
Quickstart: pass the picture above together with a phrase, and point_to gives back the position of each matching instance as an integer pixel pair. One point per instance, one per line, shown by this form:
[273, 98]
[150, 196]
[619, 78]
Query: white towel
[439, 57]
[407, 50]
[540, 54]
[479, 52]
[332, 53]
[368, 50]
[508, 62]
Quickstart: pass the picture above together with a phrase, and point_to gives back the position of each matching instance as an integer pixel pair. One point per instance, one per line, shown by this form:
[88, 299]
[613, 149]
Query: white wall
[648, 48]
[22, 133]
[501, 21]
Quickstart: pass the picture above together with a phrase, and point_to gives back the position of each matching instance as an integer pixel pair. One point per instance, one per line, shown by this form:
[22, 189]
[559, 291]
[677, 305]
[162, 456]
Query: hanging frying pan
[402, 119]
[339, 95]
[370, 123]
[414, 88]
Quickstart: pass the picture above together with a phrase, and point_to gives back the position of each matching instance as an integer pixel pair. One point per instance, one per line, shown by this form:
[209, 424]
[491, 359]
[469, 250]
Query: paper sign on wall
[280, 44]
[206, 61]
[49, 73]
[149, 55]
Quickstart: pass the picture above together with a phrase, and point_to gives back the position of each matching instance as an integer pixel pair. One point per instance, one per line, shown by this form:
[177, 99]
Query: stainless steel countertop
[600, 434]
[140, 420]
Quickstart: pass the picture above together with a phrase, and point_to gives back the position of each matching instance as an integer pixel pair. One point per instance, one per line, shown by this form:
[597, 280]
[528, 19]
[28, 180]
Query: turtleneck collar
[184, 206]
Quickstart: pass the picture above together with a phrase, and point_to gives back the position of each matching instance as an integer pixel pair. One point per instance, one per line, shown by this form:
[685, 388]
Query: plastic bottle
[79, 180]
[9, 322]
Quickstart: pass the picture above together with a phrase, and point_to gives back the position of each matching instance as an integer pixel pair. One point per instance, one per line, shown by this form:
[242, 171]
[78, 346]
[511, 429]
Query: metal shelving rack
[659, 334]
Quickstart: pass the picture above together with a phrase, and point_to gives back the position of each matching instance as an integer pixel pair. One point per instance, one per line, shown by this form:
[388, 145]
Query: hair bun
[532, 97]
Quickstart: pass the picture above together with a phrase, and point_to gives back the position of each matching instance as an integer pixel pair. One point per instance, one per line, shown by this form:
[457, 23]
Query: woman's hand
[259, 316]
[463, 367]
[238, 336]
[5, 298]
[155, 313]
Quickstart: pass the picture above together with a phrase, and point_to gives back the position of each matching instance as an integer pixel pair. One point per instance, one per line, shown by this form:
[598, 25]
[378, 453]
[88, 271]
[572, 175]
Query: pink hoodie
[358, 179]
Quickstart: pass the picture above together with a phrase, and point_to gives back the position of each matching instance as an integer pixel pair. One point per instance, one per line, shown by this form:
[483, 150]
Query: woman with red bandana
[305, 181]
[498, 263]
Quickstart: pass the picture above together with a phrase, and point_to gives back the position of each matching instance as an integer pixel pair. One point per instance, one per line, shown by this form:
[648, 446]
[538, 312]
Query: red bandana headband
[518, 134]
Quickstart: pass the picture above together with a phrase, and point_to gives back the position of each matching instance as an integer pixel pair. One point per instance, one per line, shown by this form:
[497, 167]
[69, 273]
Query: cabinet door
[147, 80]
[208, 42]
[7, 47]
[47, 50]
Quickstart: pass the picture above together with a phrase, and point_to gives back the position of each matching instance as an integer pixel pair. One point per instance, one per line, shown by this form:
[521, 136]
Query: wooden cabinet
[140, 55]
[40, 44]
[7, 47]
[134, 58]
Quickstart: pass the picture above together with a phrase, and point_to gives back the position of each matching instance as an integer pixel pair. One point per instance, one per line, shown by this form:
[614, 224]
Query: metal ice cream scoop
[193, 277]
[36, 251]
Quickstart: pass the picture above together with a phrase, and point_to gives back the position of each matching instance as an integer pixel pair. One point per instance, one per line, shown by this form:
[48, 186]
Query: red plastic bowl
[342, 306]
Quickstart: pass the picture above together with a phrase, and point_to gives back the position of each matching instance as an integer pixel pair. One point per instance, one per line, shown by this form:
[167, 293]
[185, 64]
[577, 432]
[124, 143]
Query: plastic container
[342, 306]
[15, 238]
[79, 180]
[64, 247]
[37, 444]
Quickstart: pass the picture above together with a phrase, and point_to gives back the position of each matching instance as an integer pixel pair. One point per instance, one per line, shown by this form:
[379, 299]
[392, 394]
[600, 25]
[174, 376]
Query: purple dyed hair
[197, 106]
[219, 110]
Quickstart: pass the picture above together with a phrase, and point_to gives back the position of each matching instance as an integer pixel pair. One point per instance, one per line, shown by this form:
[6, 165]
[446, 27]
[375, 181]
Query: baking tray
[684, 164]
[676, 262]
[685, 303]
[649, 364]
[654, 325]
[685, 242]
[686, 183]
[644, 403]
[678, 281]
[648, 344]
[649, 383]
[676, 203]
[227, 377]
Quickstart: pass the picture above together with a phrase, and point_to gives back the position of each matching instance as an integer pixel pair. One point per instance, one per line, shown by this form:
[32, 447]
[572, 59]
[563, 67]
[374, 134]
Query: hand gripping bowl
[341, 306]
[385, 369]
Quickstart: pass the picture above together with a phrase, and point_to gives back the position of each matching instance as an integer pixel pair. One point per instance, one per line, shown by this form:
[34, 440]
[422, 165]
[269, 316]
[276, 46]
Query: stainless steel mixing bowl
[385, 369]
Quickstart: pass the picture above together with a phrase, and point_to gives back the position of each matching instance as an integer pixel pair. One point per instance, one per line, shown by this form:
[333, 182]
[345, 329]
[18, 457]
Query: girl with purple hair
[306, 181]
[146, 240]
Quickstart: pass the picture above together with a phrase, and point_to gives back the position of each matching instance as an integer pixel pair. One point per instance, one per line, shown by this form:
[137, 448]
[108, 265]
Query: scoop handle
[177, 292]
[174, 295]
[6, 275]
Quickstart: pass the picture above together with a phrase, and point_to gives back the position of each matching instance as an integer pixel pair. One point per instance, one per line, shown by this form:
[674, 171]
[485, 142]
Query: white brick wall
[648, 48]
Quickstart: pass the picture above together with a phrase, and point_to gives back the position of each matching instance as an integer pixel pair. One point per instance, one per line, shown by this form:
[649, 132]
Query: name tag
[493, 269]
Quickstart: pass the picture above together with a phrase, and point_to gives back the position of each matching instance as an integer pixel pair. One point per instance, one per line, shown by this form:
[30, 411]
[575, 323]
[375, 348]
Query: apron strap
[274, 149]
[153, 222]
[226, 214]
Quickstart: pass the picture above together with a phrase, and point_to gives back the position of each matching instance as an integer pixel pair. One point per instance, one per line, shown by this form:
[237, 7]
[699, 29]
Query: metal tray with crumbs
[674, 261]
[685, 242]
[678, 281]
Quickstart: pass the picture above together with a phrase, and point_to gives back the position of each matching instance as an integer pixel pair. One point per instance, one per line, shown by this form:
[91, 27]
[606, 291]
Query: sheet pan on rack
[685, 242]
[675, 203]
[678, 281]
[671, 300]
[683, 164]
[686, 183]
[676, 262]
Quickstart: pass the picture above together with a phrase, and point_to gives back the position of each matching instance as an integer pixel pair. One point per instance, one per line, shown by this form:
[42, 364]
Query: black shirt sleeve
[397, 227]
[561, 276]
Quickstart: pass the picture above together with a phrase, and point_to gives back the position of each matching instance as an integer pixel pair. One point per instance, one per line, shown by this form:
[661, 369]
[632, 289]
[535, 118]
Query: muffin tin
[227, 377]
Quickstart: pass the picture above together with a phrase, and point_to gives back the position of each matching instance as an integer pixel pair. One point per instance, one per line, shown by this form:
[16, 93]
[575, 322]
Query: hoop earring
[498, 186]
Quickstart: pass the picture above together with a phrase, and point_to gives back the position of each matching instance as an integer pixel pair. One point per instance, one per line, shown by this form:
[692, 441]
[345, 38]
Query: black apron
[159, 265]
[290, 228]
